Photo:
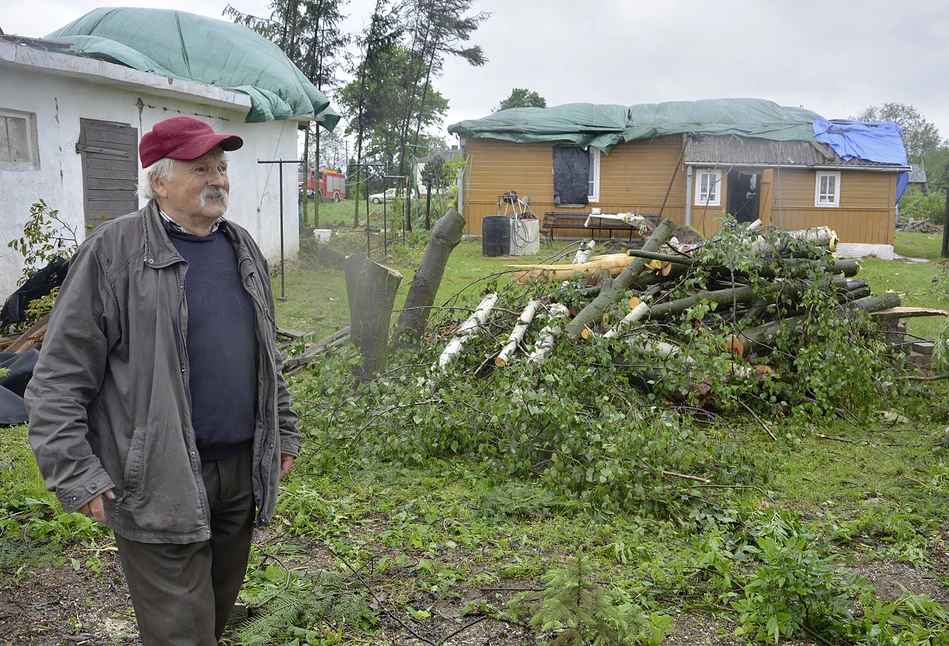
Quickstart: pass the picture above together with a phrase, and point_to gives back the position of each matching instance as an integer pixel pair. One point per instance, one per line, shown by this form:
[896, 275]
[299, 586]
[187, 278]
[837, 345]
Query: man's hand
[286, 463]
[95, 508]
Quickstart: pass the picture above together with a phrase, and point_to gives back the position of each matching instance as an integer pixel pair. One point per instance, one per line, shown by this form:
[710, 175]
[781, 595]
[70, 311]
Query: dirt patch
[891, 579]
[54, 606]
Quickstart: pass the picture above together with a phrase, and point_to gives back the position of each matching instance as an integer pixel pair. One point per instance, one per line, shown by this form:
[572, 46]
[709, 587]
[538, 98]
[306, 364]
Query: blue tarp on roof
[880, 142]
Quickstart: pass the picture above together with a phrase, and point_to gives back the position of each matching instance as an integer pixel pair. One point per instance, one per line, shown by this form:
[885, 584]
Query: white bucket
[322, 235]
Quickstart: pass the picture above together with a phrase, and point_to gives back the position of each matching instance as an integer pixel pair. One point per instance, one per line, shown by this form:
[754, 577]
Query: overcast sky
[834, 57]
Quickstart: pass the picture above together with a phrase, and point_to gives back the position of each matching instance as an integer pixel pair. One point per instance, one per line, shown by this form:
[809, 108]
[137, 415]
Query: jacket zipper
[185, 377]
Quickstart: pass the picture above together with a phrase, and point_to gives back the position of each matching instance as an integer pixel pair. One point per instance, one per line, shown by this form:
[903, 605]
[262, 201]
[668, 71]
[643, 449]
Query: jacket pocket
[163, 497]
[135, 463]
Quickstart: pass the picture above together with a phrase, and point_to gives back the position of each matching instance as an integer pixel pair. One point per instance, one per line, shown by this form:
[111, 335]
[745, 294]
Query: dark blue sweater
[222, 346]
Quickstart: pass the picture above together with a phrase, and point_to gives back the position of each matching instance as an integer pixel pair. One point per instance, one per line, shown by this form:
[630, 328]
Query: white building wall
[60, 97]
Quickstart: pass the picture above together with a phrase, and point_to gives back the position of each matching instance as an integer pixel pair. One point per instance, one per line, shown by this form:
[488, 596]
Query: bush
[917, 206]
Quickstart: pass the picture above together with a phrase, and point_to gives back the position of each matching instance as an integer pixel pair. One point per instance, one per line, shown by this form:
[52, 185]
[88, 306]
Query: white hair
[160, 170]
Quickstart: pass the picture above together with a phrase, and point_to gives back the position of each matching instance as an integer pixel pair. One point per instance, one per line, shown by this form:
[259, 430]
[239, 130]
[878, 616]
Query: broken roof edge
[712, 151]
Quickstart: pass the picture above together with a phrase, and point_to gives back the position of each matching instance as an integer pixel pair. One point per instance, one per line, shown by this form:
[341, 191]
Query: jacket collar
[159, 250]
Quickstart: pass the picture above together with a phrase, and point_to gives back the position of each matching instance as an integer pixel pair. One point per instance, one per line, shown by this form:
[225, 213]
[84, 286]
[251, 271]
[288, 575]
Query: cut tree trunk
[445, 236]
[613, 292]
[517, 334]
[371, 289]
[614, 262]
[820, 236]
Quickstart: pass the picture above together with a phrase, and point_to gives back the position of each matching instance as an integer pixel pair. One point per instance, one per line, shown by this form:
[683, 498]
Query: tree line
[387, 99]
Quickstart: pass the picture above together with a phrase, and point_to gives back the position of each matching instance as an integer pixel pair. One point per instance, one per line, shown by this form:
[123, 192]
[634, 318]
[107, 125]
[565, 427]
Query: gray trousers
[184, 594]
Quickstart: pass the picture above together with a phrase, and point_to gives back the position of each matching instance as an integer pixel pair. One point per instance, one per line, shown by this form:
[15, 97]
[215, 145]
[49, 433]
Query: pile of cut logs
[649, 282]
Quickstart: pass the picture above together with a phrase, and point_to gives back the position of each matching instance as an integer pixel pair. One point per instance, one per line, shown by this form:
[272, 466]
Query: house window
[18, 150]
[593, 183]
[576, 174]
[827, 188]
[708, 188]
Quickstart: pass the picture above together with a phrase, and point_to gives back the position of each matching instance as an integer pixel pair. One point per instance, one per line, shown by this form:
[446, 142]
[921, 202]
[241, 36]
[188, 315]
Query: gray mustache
[213, 193]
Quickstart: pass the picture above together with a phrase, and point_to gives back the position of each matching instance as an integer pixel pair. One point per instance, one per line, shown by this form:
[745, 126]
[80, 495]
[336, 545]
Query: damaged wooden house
[692, 162]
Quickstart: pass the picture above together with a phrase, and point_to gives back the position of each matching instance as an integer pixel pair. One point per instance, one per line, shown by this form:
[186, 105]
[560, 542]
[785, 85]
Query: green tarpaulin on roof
[604, 126]
[190, 47]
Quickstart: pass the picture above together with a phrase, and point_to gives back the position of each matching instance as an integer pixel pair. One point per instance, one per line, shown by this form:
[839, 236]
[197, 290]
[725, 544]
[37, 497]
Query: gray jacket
[109, 404]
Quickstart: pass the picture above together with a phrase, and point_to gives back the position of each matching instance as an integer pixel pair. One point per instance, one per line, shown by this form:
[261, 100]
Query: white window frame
[33, 159]
[593, 182]
[713, 197]
[827, 199]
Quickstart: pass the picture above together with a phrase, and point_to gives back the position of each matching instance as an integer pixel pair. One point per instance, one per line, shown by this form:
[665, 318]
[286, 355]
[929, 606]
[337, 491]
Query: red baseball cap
[182, 138]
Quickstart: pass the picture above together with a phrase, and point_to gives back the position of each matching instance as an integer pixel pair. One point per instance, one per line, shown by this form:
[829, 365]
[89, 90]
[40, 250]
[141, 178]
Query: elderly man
[157, 405]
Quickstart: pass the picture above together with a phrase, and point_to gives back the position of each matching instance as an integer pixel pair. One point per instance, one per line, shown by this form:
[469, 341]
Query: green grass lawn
[751, 516]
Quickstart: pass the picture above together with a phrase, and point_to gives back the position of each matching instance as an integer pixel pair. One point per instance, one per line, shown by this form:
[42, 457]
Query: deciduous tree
[919, 136]
[523, 98]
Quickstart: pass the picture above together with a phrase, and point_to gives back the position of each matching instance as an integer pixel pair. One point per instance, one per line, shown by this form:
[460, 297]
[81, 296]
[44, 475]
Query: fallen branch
[821, 436]
[517, 334]
[639, 312]
[548, 335]
[820, 236]
[468, 329]
[686, 476]
[611, 293]
[292, 364]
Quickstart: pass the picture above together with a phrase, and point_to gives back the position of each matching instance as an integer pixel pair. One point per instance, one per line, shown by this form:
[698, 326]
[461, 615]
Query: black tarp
[13, 385]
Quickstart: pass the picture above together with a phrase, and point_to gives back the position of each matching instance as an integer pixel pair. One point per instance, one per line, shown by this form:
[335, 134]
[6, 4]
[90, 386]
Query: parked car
[376, 198]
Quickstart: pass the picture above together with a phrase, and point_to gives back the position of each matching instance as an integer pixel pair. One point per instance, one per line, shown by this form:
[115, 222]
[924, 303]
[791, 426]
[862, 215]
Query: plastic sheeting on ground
[185, 46]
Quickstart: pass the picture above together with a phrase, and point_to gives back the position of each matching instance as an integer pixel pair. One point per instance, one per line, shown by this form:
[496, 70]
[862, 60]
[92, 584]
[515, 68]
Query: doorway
[743, 195]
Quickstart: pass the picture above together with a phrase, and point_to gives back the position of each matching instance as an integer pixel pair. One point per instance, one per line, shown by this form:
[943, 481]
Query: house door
[743, 195]
[109, 153]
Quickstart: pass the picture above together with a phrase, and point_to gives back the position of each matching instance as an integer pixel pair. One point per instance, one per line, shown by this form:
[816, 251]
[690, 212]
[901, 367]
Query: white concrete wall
[58, 96]
[858, 250]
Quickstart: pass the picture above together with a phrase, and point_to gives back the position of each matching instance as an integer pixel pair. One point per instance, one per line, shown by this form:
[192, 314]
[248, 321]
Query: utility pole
[945, 228]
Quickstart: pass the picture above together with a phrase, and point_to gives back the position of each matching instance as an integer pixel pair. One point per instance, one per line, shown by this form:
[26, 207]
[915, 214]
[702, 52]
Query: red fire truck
[332, 184]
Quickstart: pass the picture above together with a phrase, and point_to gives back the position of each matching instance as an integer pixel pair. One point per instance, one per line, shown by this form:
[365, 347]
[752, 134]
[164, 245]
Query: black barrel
[495, 236]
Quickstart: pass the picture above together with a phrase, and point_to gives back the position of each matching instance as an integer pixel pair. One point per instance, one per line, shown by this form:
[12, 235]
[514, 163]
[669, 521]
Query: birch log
[611, 293]
[635, 314]
[468, 329]
[583, 253]
[821, 236]
[517, 334]
[371, 290]
[548, 336]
